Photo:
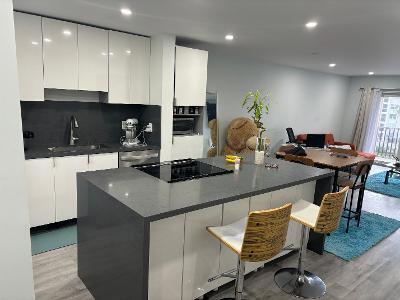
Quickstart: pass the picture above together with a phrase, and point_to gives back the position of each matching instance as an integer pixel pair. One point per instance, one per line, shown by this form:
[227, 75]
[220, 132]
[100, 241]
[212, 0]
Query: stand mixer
[130, 139]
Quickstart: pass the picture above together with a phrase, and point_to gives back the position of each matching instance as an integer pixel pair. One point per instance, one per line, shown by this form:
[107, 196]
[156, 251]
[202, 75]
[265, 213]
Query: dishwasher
[137, 157]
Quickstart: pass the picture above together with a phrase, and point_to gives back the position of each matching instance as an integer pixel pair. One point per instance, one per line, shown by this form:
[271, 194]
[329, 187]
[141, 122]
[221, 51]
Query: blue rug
[375, 183]
[51, 239]
[373, 229]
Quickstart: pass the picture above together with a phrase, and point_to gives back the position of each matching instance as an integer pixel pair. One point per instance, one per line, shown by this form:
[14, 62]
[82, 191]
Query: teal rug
[51, 239]
[373, 229]
[375, 183]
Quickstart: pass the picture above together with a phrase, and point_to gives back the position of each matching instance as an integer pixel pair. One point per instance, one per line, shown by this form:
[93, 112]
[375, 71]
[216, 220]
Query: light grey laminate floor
[375, 275]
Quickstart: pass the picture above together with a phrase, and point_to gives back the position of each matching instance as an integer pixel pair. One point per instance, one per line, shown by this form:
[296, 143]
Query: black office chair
[291, 136]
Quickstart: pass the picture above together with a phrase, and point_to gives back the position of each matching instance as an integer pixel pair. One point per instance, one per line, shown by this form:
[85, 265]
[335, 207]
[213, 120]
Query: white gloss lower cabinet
[28, 39]
[201, 252]
[65, 184]
[40, 185]
[166, 258]
[258, 202]
[187, 146]
[232, 212]
[102, 161]
[92, 59]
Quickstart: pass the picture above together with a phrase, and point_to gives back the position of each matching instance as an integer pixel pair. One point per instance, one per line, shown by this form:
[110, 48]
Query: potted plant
[257, 104]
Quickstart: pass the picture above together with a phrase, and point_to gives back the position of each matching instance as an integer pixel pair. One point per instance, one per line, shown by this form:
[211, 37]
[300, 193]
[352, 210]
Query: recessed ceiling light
[371, 73]
[311, 24]
[126, 11]
[34, 43]
[47, 40]
[67, 32]
[111, 53]
[332, 65]
[103, 53]
[229, 37]
[128, 51]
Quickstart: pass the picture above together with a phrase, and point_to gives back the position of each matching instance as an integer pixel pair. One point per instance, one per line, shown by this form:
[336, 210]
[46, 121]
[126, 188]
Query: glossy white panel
[190, 76]
[140, 77]
[40, 185]
[60, 54]
[120, 64]
[201, 252]
[28, 38]
[103, 161]
[232, 212]
[92, 58]
[166, 258]
[187, 146]
[65, 184]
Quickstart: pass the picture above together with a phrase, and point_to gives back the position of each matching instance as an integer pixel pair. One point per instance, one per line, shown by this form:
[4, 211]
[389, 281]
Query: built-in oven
[133, 158]
[184, 126]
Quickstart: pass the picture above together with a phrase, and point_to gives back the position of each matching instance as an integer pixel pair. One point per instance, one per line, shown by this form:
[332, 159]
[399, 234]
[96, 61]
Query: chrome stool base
[303, 286]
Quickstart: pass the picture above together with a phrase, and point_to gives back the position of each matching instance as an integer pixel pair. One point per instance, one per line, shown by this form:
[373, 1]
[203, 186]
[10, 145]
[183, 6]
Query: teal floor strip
[51, 239]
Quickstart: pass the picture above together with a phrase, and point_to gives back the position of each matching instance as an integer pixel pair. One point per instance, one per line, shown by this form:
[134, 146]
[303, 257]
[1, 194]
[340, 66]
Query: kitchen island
[143, 238]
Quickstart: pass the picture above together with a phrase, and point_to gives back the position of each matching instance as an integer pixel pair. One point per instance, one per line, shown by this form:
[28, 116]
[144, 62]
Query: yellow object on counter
[232, 158]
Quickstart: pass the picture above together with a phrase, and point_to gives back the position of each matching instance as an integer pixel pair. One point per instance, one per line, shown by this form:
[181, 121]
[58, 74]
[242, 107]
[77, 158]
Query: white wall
[16, 280]
[354, 94]
[305, 100]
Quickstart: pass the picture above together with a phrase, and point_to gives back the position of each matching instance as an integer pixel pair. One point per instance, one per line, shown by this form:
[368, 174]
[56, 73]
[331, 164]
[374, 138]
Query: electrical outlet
[149, 127]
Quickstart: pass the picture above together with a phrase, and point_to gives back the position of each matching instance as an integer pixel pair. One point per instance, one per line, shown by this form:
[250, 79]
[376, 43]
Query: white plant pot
[259, 157]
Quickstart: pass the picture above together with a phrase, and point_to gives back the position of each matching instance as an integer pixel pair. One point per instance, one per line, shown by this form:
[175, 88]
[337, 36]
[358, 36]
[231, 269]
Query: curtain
[366, 128]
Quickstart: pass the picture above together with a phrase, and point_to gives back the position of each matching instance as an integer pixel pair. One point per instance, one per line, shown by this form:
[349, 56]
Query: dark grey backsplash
[98, 122]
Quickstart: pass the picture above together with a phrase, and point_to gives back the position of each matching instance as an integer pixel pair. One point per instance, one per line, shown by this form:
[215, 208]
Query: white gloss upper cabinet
[119, 67]
[28, 38]
[190, 77]
[92, 59]
[140, 76]
[60, 54]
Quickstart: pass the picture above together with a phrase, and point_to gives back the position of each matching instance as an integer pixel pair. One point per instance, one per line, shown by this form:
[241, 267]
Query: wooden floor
[375, 275]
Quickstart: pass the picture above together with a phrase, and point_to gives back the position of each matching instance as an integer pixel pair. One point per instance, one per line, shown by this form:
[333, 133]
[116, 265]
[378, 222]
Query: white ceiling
[359, 35]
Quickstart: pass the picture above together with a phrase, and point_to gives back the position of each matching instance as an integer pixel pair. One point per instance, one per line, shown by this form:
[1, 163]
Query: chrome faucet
[73, 123]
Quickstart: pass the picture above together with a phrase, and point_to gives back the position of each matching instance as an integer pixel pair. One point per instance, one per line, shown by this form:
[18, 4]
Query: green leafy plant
[257, 103]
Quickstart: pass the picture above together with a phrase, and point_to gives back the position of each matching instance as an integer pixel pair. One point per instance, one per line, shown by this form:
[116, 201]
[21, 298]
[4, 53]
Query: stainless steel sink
[76, 148]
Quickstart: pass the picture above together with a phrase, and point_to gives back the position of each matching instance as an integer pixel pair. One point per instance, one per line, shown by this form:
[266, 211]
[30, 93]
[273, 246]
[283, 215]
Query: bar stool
[258, 237]
[324, 219]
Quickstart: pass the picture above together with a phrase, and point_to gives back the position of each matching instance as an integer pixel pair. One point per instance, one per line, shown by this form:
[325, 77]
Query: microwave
[184, 126]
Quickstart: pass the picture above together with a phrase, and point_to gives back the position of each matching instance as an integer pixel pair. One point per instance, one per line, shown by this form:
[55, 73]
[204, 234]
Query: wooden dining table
[324, 158]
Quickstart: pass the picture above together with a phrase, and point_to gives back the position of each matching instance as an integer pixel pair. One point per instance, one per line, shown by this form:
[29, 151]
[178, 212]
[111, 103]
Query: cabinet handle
[54, 162]
[88, 159]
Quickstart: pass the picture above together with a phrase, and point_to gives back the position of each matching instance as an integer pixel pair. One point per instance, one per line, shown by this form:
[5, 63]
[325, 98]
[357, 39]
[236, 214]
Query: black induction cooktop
[181, 170]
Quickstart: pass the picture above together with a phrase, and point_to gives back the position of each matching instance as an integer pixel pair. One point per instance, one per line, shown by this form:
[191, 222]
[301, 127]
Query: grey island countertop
[154, 199]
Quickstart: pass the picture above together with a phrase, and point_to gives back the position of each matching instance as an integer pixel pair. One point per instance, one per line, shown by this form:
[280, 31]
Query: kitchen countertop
[154, 199]
[44, 152]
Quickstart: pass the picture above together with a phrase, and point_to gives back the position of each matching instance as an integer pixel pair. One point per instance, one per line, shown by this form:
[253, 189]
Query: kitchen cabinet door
[166, 258]
[258, 202]
[40, 185]
[140, 76]
[28, 39]
[92, 58]
[190, 77]
[232, 212]
[187, 146]
[103, 161]
[65, 184]
[201, 252]
[60, 54]
[120, 55]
